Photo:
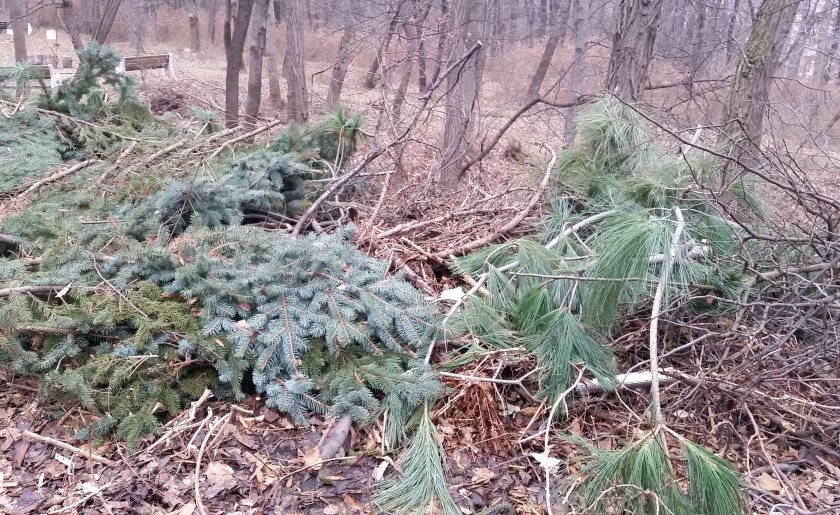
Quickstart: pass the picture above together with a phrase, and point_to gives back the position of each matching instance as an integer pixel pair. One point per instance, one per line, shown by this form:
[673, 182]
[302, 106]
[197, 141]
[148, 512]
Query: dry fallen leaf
[312, 457]
[482, 475]
[768, 483]
[218, 471]
[546, 461]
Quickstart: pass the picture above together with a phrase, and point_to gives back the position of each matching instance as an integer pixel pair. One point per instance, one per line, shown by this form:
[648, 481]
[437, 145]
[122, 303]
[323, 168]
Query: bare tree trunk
[297, 106]
[581, 9]
[234, 62]
[103, 28]
[412, 28]
[342, 61]
[637, 22]
[748, 96]
[375, 71]
[274, 94]
[443, 24]
[212, 7]
[698, 42]
[226, 30]
[252, 102]
[71, 24]
[85, 6]
[796, 47]
[730, 34]
[835, 45]
[17, 12]
[195, 36]
[542, 66]
[463, 90]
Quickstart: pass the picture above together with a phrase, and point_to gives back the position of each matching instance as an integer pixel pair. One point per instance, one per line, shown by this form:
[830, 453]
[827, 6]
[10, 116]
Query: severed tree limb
[152, 158]
[245, 136]
[515, 221]
[71, 448]
[54, 177]
[335, 438]
[412, 276]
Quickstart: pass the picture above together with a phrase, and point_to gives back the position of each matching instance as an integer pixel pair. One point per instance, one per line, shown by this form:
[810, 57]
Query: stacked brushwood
[133, 302]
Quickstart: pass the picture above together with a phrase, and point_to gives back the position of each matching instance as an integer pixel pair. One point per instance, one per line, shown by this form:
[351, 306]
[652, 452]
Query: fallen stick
[247, 135]
[71, 448]
[56, 176]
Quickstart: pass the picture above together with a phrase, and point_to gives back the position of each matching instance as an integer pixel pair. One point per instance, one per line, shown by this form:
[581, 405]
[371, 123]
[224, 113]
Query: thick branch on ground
[336, 437]
[70, 448]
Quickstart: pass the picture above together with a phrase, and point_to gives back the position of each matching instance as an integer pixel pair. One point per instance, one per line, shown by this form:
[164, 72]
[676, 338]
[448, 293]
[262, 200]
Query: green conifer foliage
[171, 294]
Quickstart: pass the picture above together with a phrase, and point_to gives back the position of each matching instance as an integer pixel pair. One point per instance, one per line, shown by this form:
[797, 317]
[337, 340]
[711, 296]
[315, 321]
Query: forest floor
[245, 458]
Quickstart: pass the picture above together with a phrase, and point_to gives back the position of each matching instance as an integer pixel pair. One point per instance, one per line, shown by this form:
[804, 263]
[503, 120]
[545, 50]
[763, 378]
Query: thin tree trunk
[542, 67]
[234, 62]
[698, 42]
[730, 34]
[297, 106]
[637, 22]
[443, 24]
[226, 30]
[342, 61]
[375, 71]
[255, 60]
[19, 21]
[103, 28]
[581, 9]
[412, 28]
[835, 45]
[85, 7]
[463, 90]
[71, 24]
[748, 96]
[211, 20]
[195, 36]
[274, 94]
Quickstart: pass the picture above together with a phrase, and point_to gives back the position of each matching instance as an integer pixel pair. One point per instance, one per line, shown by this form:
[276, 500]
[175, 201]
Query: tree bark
[195, 36]
[103, 28]
[412, 28]
[835, 45]
[227, 28]
[274, 94]
[463, 88]
[748, 96]
[342, 61]
[212, 7]
[255, 60]
[375, 71]
[297, 104]
[443, 24]
[637, 22]
[234, 62]
[17, 12]
[542, 67]
[730, 34]
[581, 9]
[71, 24]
